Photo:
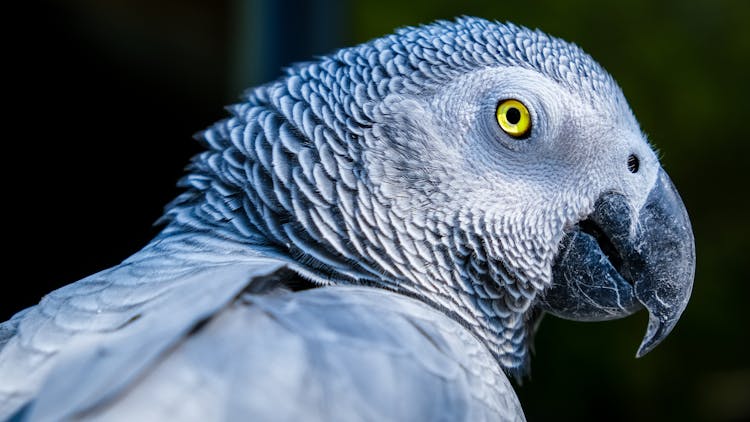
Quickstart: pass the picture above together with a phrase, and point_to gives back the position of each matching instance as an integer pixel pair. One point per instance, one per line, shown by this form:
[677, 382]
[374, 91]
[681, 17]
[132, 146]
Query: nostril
[633, 163]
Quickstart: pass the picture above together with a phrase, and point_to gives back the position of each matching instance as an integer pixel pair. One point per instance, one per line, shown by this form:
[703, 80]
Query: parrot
[374, 235]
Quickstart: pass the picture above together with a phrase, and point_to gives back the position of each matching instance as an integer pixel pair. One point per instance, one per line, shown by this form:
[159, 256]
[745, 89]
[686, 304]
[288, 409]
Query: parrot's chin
[617, 261]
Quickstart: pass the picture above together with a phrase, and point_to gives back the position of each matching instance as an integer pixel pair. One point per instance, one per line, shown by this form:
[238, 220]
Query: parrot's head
[489, 170]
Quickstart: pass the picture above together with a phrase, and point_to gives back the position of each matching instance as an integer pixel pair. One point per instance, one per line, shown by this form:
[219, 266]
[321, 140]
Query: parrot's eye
[513, 117]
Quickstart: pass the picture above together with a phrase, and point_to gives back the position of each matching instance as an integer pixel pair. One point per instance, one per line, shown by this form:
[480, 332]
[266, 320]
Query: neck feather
[285, 174]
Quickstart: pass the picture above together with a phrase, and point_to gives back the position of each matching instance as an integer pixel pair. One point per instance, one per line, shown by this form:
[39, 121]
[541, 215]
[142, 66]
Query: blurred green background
[111, 92]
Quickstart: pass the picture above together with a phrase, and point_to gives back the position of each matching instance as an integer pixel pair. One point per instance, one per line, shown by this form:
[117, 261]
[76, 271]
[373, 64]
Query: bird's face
[547, 184]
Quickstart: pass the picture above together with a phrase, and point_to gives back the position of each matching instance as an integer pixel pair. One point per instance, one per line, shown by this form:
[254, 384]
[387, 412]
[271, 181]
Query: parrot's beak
[620, 259]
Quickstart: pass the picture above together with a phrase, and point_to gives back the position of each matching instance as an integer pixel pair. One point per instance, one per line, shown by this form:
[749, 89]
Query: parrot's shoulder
[168, 293]
[174, 333]
[334, 353]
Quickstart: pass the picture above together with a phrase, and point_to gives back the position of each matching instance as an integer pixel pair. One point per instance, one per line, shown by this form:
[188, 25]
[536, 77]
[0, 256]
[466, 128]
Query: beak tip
[643, 349]
[656, 332]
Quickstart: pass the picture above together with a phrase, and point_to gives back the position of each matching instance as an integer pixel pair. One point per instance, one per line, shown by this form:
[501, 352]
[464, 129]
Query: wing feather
[337, 353]
[94, 320]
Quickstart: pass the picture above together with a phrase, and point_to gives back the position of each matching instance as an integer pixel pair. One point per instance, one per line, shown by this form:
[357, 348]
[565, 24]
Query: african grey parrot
[373, 236]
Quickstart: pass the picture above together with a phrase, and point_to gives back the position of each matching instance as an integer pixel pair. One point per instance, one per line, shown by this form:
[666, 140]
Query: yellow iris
[513, 117]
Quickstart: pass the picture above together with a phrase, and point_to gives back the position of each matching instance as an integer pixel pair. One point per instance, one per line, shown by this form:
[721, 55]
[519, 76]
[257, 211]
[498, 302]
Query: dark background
[103, 97]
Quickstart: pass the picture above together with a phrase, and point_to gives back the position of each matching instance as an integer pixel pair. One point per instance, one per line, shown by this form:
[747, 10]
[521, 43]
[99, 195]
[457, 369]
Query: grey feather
[170, 286]
[323, 354]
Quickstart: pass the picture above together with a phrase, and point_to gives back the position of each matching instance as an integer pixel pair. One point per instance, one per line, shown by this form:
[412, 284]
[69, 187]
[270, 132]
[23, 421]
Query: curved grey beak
[620, 259]
[663, 265]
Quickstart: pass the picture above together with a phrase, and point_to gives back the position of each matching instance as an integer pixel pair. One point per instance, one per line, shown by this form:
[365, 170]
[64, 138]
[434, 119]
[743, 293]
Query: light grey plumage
[381, 165]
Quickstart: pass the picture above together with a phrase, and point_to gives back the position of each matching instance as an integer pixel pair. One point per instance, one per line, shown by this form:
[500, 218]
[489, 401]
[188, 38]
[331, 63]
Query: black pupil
[633, 164]
[513, 115]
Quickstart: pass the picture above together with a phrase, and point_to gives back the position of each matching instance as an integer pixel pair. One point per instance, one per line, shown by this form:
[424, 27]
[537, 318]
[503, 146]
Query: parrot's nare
[373, 236]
